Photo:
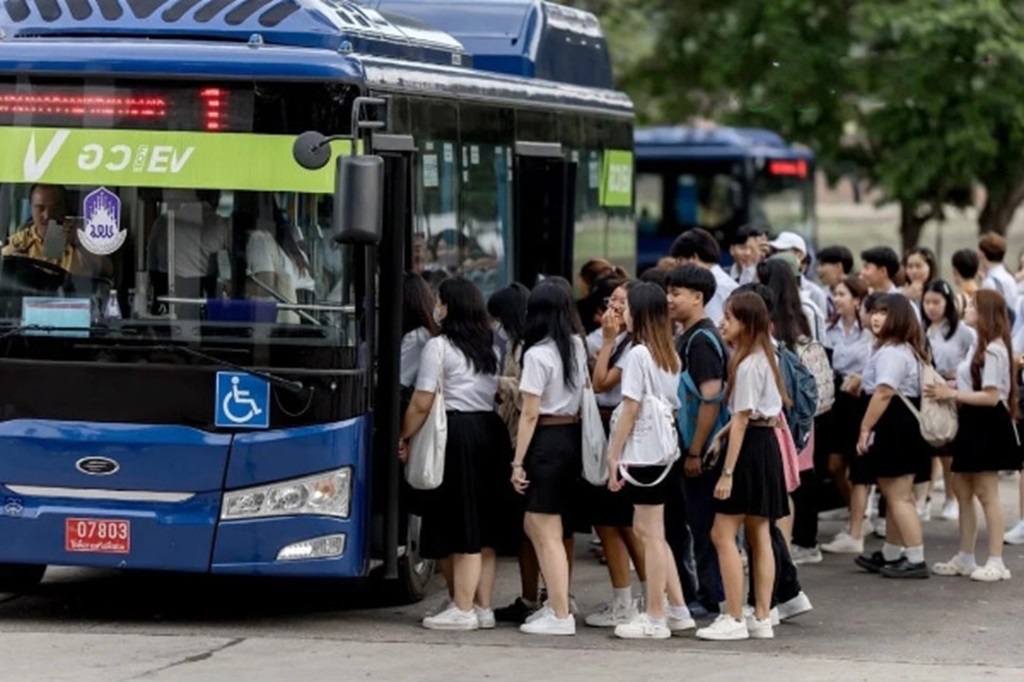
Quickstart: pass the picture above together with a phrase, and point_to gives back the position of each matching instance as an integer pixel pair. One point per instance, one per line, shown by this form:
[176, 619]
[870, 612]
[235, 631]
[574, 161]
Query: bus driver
[49, 203]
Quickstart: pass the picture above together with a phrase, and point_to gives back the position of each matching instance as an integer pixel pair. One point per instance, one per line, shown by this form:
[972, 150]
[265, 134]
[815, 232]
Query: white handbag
[654, 440]
[425, 468]
[595, 442]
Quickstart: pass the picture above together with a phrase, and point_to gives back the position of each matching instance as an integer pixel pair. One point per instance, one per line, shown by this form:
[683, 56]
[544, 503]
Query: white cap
[789, 241]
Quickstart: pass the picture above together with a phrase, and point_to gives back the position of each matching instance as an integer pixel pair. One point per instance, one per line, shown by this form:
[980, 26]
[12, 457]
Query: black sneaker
[905, 569]
[516, 612]
[873, 562]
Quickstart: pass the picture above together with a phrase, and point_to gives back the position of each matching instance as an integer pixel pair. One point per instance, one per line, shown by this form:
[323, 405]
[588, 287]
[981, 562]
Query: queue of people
[776, 387]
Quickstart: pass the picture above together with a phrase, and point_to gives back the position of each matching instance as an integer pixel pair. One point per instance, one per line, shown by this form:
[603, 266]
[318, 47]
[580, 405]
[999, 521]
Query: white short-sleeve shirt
[895, 366]
[641, 373]
[850, 349]
[413, 344]
[949, 352]
[595, 341]
[754, 388]
[465, 390]
[995, 372]
[543, 376]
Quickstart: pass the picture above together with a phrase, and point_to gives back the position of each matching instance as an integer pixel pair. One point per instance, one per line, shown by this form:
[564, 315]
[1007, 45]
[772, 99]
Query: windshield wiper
[296, 387]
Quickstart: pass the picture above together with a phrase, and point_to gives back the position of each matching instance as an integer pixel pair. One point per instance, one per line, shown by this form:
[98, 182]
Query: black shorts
[553, 465]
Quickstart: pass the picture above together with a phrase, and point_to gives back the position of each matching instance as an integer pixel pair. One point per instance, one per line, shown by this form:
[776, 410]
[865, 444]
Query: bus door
[395, 535]
[544, 212]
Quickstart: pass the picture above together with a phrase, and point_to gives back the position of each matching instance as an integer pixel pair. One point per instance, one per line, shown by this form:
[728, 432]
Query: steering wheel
[24, 275]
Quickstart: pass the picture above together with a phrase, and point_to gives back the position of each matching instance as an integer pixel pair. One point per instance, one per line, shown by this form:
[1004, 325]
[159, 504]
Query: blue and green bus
[199, 357]
[719, 178]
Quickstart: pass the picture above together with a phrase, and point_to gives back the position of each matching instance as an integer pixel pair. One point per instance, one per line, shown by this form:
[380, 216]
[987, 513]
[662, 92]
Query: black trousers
[678, 533]
[700, 510]
[787, 582]
[805, 510]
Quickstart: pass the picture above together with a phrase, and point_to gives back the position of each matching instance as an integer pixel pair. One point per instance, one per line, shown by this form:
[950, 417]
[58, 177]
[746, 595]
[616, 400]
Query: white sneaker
[759, 629]
[990, 573]
[543, 612]
[953, 567]
[950, 510]
[610, 615]
[844, 543]
[797, 606]
[452, 619]
[679, 625]
[485, 617]
[440, 608]
[549, 624]
[924, 510]
[773, 615]
[806, 555]
[642, 627]
[1015, 536]
[724, 629]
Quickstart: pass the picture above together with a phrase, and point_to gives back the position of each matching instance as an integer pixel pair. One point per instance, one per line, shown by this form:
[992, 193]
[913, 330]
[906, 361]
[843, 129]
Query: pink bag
[806, 455]
[790, 458]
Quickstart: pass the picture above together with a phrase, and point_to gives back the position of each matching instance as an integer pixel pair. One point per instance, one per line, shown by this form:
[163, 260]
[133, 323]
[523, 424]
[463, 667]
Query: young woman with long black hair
[548, 459]
[987, 439]
[890, 435]
[460, 518]
[950, 340]
[751, 490]
[418, 327]
[652, 365]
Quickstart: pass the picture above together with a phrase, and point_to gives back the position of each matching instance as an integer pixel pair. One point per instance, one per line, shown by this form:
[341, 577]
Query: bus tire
[19, 578]
[414, 572]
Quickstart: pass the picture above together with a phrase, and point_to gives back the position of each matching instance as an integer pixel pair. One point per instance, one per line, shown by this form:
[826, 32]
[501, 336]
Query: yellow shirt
[27, 242]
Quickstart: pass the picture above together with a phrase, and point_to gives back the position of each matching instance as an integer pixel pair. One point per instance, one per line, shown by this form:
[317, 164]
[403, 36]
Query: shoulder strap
[714, 342]
[440, 375]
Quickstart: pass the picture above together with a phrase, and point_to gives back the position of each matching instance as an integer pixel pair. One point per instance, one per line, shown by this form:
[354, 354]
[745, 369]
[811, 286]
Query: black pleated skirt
[759, 484]
[986, 441]
[464, 514]
[899, 449]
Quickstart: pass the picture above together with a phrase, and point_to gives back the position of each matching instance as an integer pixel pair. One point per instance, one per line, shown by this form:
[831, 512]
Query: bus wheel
[18, 578]
[415, 572]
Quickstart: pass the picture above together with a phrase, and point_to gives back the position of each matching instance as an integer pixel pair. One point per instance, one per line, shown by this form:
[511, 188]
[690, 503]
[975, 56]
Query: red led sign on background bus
[796, 169]
[211, 109]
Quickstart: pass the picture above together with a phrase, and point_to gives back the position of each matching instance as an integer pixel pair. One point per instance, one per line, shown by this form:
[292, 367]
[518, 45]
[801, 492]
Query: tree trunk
[911, 224]
[1000, 207]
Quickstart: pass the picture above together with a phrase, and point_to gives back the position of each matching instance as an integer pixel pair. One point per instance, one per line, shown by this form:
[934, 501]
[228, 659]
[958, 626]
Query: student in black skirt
[987, 439]
[460, 518]
[851, 341]
[751, 491]
[890, 435]
[651, 365]
[548, 458]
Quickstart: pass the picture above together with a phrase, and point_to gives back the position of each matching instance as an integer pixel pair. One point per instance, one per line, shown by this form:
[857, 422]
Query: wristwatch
[727, 472]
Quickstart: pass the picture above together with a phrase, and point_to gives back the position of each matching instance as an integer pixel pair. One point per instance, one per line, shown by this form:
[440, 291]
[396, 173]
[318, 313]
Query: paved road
[86, 625]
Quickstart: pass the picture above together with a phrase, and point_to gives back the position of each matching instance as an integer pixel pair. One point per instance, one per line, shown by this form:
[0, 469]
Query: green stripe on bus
[156, 158]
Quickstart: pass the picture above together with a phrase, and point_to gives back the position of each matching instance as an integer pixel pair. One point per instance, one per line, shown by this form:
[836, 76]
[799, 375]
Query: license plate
[105, 536]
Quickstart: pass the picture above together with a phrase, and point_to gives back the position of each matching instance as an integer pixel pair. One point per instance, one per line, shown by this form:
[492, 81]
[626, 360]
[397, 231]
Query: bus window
[650, 188]
[780, 203]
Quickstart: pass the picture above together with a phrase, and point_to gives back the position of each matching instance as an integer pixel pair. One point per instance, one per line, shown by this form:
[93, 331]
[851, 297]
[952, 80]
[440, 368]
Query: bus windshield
[782, 203]
[125, 206]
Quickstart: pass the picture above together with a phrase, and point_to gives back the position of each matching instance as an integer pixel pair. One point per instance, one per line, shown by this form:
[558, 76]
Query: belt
[557, 420]
[769, 423]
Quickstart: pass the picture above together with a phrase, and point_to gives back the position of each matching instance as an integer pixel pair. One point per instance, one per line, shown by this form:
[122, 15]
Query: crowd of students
[780, 389]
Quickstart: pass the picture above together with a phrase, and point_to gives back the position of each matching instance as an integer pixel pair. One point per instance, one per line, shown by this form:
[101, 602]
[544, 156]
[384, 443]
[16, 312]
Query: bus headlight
[326, 494]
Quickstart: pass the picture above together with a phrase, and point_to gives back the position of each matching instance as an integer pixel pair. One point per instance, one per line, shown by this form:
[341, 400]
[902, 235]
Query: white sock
[623, 596]
[996, 561]
[967, 560]
[891, 552]
[915, 555]
[680, 612]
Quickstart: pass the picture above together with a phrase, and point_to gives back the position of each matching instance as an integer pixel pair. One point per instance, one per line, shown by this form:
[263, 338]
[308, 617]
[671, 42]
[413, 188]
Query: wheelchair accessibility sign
[243, 401]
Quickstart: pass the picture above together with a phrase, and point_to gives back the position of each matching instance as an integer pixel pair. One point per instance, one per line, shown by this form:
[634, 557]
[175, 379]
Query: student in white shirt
[698, 247]
[418, 327]
[548, 458]
[461, 518]
[890, 436]
[751, 491]
[995, 276]
[651, 366]
[950, 339]
[987, 440]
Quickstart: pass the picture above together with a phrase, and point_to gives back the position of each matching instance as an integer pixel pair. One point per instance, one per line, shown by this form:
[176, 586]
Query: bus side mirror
[359, 199]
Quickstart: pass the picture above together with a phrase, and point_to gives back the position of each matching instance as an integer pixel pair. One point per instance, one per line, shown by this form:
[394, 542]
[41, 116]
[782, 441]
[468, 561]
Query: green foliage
[920, 98]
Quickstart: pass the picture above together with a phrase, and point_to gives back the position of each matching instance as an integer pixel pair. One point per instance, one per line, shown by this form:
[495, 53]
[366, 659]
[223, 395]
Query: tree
[921, 98]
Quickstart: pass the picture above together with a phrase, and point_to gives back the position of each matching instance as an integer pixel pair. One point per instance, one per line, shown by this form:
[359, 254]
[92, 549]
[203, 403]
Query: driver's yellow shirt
[27, 242]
